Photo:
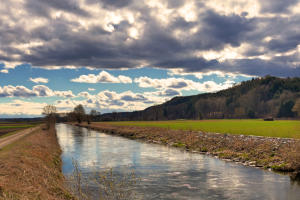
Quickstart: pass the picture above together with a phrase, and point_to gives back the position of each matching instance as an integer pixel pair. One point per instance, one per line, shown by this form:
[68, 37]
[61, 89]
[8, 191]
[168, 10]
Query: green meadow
[7, 129]
[258, 127]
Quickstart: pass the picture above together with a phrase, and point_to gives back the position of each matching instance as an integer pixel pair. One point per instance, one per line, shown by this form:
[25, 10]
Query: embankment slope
[30, 168]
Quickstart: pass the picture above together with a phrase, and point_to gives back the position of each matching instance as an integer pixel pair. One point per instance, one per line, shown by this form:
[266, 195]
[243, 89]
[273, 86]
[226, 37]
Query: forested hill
[256, 98]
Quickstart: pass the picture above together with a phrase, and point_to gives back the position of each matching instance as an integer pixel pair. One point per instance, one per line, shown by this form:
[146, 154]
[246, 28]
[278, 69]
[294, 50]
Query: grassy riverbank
[275, 153]
[31, 168]
[258, 127]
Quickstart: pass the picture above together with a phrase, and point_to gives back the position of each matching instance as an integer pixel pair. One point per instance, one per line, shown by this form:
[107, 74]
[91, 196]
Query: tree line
[266, 97]
[78, 114]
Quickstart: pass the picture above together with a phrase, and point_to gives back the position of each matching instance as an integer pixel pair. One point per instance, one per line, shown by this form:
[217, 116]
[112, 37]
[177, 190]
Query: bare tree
[49, 111]
[94, 114]
[79, 113]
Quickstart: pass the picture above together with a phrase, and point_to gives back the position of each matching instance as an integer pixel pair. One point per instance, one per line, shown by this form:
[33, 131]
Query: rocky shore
[278, 154]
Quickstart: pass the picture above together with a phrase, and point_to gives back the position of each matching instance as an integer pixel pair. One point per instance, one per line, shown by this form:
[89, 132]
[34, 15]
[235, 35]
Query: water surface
[169, 173]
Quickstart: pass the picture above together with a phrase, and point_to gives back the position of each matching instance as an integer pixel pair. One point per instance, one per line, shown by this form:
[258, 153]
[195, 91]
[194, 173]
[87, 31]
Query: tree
[285, 109]
[251, 114]
[79, 113]
[49, 111]
[71, 117]
[296, 107]
[239, 112]
[94, 114]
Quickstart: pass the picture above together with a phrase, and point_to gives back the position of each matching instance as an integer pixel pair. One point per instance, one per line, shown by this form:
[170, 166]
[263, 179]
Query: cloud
[167, 34]
[277, 6]
[39, 80]
[173, 85]
[102, 77]
[18, 91]
[36, 91]
[19, 107]
[108, 101]
[65, 94]
[169, 92]
[5, 71]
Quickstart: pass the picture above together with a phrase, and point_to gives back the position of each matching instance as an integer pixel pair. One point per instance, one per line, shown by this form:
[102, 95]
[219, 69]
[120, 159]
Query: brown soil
[31, 168]
[279, 154]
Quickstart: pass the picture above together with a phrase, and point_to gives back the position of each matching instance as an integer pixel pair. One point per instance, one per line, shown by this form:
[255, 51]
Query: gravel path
[12, 138]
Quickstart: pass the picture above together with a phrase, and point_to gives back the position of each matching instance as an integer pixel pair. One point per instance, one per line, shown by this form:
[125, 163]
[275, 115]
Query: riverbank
[279, 154]
[30, 168]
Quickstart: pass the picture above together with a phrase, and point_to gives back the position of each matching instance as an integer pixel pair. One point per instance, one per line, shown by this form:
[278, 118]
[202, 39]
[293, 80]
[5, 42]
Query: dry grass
[31, 168]
[107, 184]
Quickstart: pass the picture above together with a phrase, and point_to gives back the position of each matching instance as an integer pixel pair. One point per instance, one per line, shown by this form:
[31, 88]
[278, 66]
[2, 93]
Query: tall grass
[103, 184]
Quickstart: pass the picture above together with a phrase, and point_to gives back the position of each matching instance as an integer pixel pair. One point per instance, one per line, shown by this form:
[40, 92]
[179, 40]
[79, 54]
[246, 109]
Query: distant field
[279, 128]
[10, 128]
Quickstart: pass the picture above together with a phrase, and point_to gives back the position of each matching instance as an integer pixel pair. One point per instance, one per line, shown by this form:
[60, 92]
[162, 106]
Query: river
[167, 172]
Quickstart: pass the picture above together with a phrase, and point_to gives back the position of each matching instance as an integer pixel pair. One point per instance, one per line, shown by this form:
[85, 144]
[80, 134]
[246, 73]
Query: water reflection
[168, 173]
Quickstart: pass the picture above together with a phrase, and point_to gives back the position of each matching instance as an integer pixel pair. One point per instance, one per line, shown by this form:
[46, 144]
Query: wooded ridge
[257, 98]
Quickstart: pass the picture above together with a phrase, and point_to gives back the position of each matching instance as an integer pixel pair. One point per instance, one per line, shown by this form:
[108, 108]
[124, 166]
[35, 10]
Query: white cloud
[200, 75]
[42, 91]
[39, 80]
[168, 92]
[102, 77]
[37, 91]
[66, 94]
[84, 94]
[124, 79]
[111, 100]
[181, 84]
[5, 71]
[11, 65]
[19, 107]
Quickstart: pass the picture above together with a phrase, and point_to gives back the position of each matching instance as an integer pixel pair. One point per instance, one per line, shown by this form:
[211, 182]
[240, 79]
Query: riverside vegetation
[106, 184]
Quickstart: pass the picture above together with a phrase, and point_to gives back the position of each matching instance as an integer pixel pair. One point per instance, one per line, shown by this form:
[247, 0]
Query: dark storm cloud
[285, 44]
[169, 93]
[175, 3]
[277, 6]
[255, 67]
[42, 7]
[111, 3]
[222, 29]
[65, 42]
[133, 97]
[190, 64]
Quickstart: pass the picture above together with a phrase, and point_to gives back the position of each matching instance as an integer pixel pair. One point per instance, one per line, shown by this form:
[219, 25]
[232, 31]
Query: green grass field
[7, 129]
[279, 128]
[18, 126]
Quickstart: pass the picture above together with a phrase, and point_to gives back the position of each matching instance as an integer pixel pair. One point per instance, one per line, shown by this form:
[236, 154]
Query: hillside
[256, 98]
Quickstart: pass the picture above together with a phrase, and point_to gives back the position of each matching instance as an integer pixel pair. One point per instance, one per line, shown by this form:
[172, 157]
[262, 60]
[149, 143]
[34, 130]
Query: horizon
[130, 55]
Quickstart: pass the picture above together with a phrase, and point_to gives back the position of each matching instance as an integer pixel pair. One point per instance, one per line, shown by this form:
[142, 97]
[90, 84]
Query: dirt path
[12, 138]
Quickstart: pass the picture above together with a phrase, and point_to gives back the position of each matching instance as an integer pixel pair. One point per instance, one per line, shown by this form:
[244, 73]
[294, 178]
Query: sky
[126, 55]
